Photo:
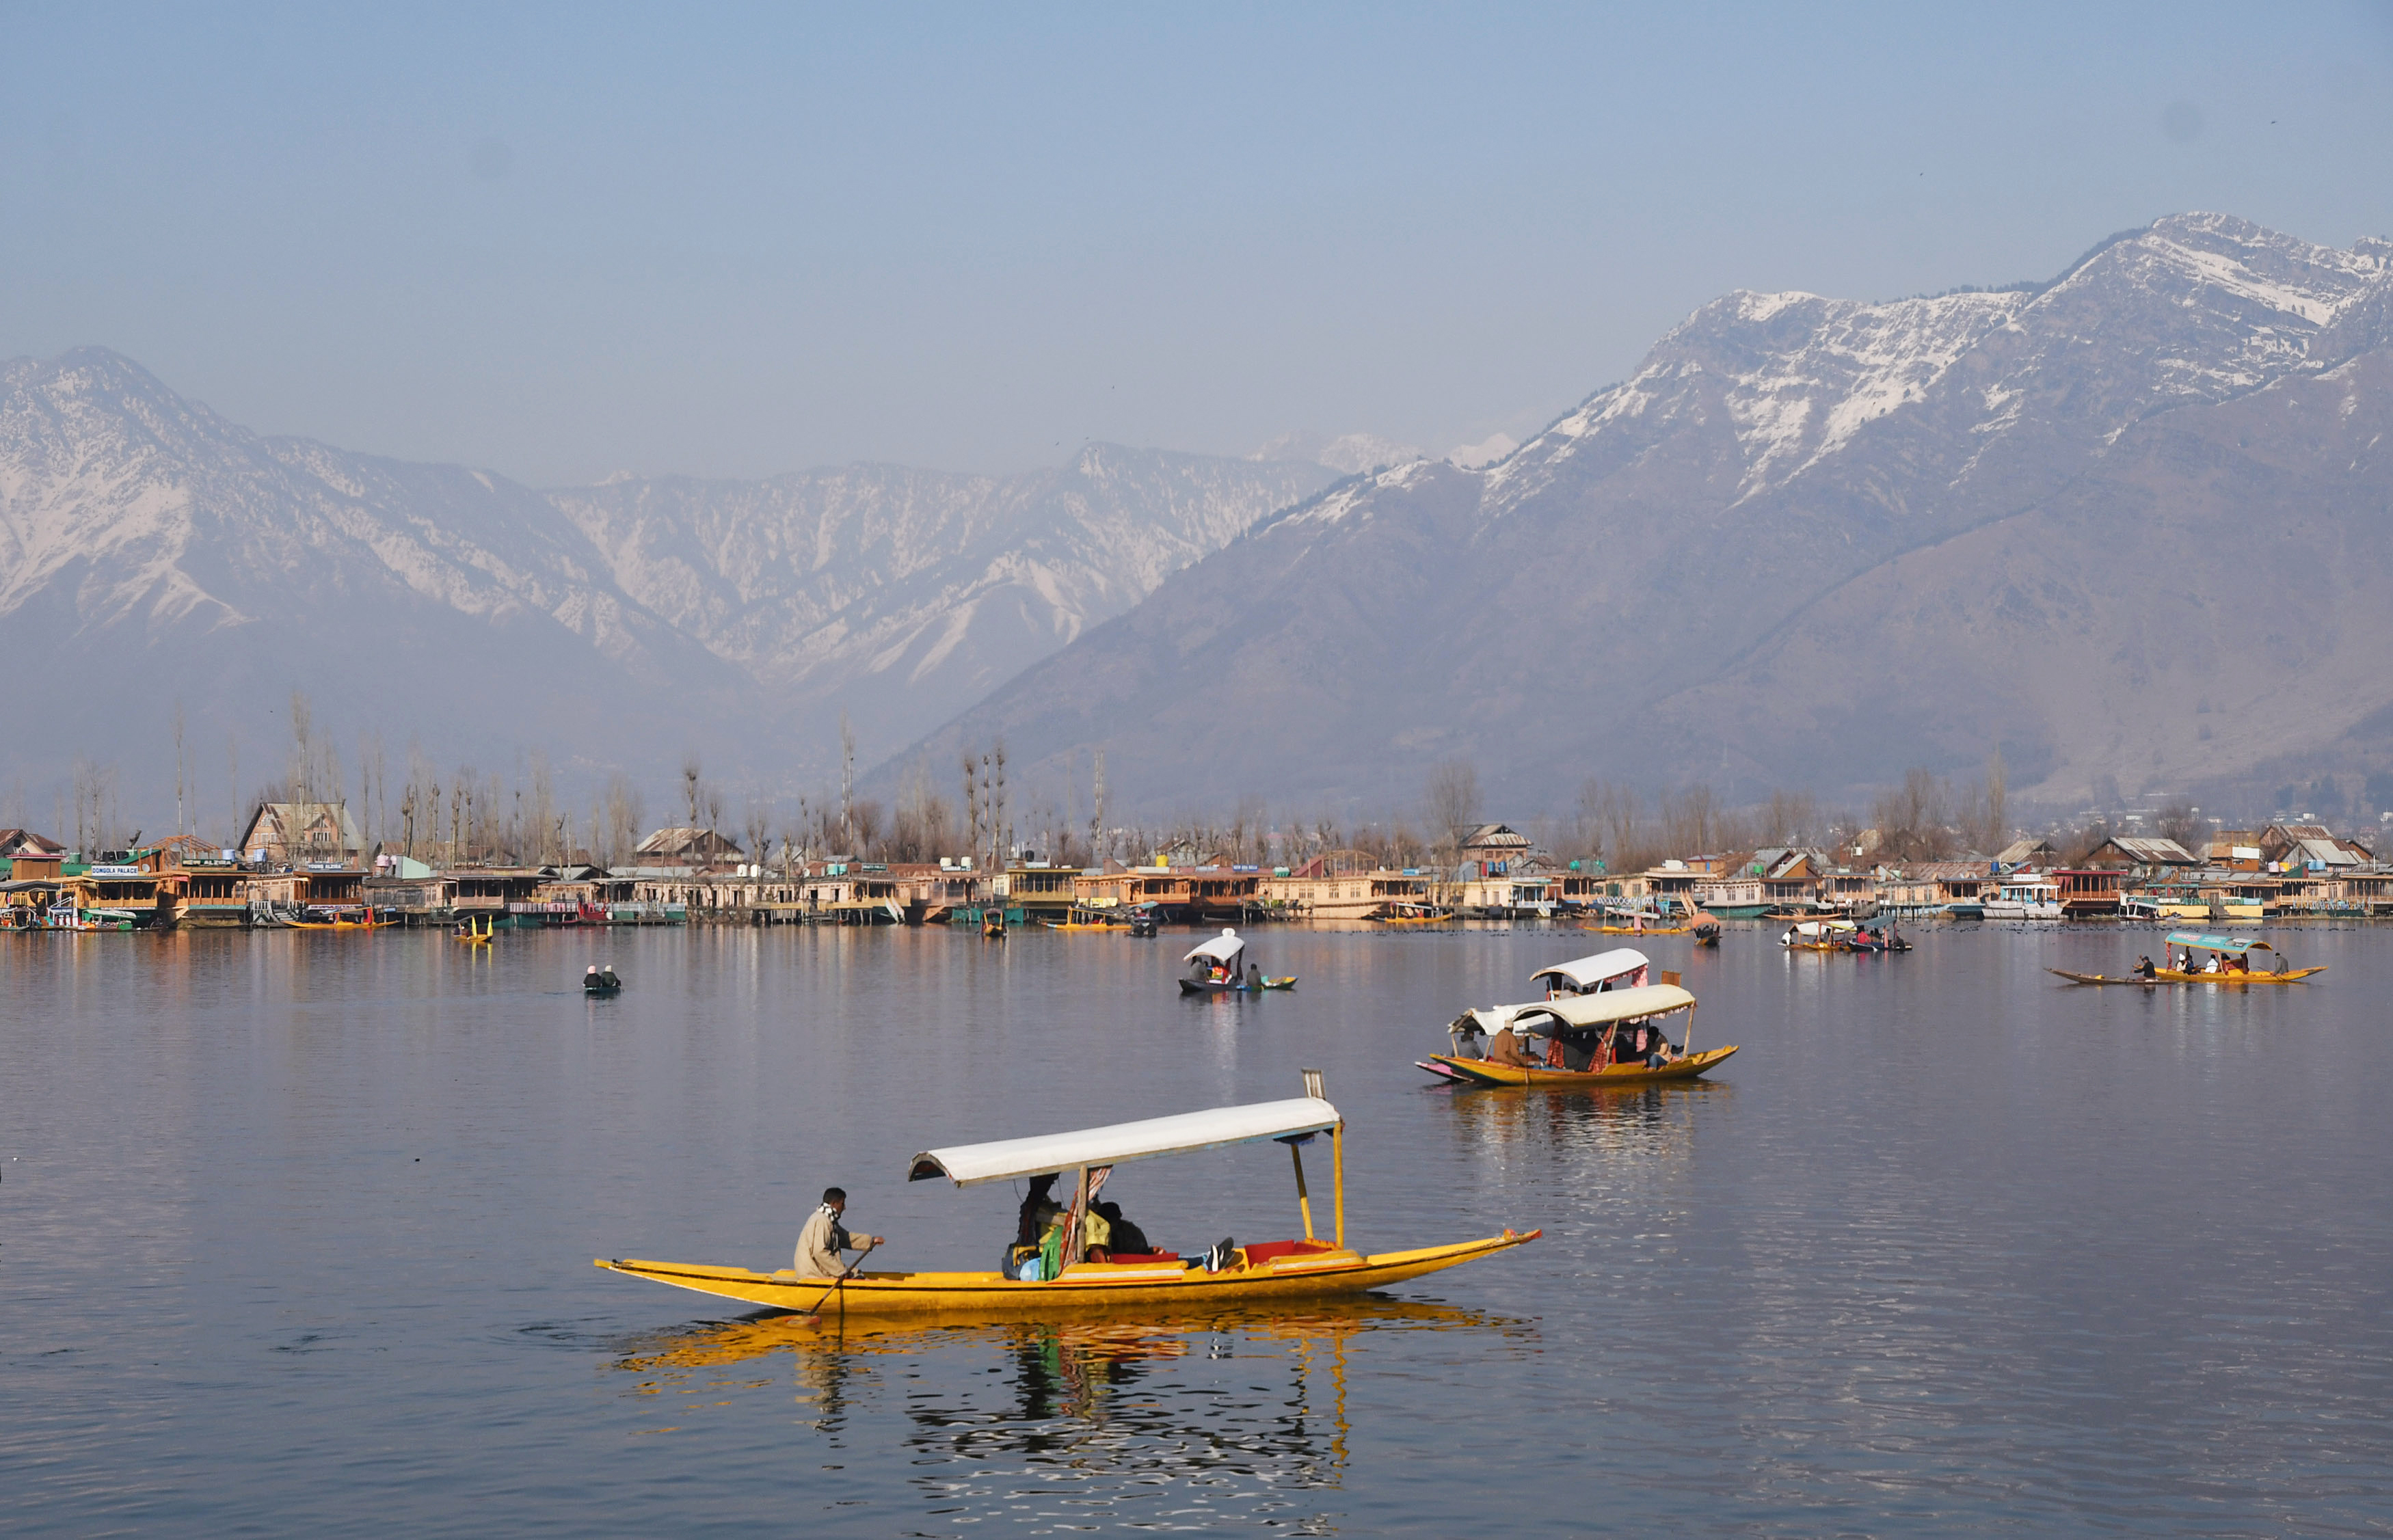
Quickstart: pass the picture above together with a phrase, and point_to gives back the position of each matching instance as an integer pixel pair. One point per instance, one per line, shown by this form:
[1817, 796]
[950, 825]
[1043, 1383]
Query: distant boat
[1412, 914]
[1216, 970]
[2229, 955]
[1611, 1038]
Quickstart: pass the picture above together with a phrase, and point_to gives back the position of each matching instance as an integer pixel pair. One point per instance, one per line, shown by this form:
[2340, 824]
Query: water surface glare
[296, 1234]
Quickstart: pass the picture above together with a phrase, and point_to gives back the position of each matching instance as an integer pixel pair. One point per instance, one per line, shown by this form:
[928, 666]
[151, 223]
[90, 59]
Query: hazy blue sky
[565, 241]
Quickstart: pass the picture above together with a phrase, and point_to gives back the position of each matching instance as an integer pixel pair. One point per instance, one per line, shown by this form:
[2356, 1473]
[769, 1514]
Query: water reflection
[1178, 1420]
[1648, 1121]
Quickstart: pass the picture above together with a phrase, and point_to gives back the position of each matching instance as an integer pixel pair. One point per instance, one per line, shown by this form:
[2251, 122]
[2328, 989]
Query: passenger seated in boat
[1254, 977]
[1096, 1236]
[1504, 1048]
[1030, 1223]
[1579, 1053]
[1129, 1240]
[1037, 1210]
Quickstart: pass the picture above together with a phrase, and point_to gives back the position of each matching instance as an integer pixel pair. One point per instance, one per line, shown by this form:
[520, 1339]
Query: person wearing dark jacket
[1126, 1237]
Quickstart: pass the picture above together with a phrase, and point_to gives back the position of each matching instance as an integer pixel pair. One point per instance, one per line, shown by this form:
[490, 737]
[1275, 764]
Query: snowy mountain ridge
[136, 523]
[1663, 553]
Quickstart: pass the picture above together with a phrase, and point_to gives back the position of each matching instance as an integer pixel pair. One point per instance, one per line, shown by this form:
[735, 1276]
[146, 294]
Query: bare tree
[864, 824]
[757, 826]
[1911, 819]
[1453, 798]
[692, 787]
[1997, 829]
[1690, 819]
[846, 781]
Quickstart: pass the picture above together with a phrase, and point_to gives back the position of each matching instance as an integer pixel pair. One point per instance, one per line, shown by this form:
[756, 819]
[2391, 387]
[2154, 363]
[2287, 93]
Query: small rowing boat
[1081, 919]
[1215, 969]
[1227, 1272]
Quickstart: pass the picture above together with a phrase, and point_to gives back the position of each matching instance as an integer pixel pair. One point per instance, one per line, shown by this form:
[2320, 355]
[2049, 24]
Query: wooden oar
[815, 1315]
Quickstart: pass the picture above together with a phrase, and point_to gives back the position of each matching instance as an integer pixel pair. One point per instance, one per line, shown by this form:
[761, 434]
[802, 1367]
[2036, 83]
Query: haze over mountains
[152, 553]
[2130, 526]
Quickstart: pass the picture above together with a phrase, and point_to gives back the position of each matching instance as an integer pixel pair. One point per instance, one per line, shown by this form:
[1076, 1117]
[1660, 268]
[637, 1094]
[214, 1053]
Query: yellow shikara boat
[1229, 1273]
[1413, 914]
[1082, 918]
[471, 934]
[2181, 947]
[1592, 1039]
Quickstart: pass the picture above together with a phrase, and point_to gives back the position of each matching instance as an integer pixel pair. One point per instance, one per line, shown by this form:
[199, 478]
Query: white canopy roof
[1222, 948]
[1585, 1011]
[969, 1165]
[1588, 971]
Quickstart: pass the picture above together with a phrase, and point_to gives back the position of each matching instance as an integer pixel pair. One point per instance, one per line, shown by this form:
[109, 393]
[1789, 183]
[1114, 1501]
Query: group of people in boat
[2215, 962]
[1040, 1235]
[1597, 1048]
[1863, 938]
[1037, 1252]
[1214, 970]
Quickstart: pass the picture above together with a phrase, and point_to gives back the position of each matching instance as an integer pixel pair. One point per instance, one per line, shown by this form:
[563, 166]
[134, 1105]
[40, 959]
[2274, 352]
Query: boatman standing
[824, 1238]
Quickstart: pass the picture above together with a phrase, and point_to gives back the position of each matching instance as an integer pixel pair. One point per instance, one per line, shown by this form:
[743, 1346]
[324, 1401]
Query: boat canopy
[2200, 942]
[1588, 971]
[1222, 948]
[1581, 1013]
[1824, 927]
[969, 1165]
[1620, 1005]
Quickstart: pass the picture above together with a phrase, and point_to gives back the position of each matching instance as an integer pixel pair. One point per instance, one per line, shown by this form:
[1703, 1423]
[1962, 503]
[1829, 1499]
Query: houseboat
[2026, 895]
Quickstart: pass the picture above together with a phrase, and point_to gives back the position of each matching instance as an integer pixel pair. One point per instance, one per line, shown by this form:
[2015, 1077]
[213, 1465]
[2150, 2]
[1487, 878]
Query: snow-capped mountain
[152, 553]
[2116, 525]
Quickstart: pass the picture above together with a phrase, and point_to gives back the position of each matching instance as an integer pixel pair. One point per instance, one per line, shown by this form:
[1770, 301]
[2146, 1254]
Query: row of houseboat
[689, 875]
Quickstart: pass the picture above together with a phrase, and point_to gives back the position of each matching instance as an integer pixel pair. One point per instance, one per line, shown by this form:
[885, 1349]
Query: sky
[566, 242]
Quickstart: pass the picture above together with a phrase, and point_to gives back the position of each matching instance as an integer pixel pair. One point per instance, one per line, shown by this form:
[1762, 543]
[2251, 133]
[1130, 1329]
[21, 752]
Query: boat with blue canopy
[2197, 957]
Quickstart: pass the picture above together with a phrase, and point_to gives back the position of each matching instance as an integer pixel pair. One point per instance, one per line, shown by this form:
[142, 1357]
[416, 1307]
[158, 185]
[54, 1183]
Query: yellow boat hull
[1082, 1288]
[1480, 1072]
[2291, 975]
[1631, 930]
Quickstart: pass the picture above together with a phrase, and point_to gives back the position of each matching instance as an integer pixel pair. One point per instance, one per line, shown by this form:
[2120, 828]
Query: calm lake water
[296, 1234]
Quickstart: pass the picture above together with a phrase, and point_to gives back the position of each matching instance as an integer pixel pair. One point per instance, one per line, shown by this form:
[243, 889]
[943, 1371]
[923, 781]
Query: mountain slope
[152, 553]
[1764, 558]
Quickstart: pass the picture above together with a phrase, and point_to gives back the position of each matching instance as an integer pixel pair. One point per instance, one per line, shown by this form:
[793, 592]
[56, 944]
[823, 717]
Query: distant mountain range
[2134, 526]
[152, 553]
[2130, 526]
